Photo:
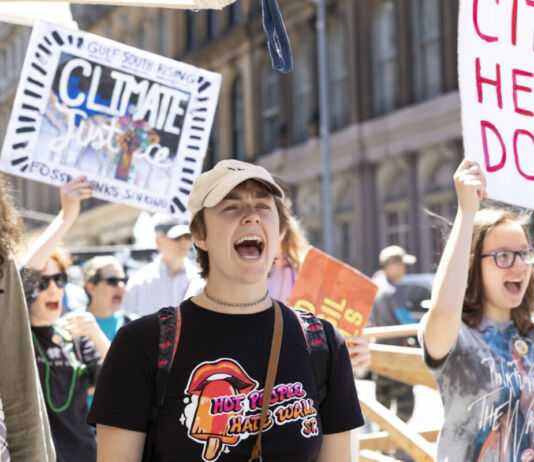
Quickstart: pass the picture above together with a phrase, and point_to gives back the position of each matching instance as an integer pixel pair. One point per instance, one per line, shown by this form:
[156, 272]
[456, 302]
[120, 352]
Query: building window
[444, 213]
[234, 12]
[426, 48]
[338, 75]
[270, 108]
[384, 33]
[238, 126]
[397, 228]
[314, 237]
[345, 239]
[212, 154]
[164, 33]
[302, 91]
[212, 24]
[190, 36]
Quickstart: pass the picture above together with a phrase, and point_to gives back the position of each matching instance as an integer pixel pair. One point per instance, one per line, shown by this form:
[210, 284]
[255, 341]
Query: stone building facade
[395, 114]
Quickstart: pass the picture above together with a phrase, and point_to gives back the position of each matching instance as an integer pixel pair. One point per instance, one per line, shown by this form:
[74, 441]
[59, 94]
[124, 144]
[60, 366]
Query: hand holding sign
[334, 291]
[470, 185]
[72, 194]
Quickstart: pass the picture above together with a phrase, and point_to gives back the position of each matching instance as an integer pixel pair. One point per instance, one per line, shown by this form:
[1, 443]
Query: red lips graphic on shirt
[219, 384]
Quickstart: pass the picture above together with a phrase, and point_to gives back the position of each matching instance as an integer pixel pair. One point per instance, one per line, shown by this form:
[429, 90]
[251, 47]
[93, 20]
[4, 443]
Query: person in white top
[170, 278]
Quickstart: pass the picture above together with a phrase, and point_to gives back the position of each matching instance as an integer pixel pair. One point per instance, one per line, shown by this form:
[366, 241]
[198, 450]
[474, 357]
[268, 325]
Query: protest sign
[496, 76]
[333, 291]
[134, 123]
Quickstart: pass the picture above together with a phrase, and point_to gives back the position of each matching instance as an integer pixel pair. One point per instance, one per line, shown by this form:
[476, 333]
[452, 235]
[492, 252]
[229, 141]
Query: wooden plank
[381, 441]
[402, 435]
[404, 364]
[371, 456]
[403, 330]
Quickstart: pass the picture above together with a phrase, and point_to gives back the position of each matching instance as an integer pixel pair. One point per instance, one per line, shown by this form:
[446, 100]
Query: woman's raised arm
[71, 195]
[443, 323]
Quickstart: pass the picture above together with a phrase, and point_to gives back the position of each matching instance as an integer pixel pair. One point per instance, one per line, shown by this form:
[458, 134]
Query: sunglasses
[60, 279]
[112, 281]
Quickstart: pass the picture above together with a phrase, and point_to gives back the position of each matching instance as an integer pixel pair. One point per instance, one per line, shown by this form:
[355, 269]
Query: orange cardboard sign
[334, 291]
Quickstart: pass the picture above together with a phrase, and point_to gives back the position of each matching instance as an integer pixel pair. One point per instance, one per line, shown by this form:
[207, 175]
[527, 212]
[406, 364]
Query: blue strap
[277, 39]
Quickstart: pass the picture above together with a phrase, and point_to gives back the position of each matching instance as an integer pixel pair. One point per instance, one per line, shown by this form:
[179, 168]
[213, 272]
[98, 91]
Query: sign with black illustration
[134, 123]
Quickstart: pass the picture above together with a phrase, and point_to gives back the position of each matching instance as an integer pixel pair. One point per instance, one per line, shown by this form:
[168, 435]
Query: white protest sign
[496, 73]
[135, 123]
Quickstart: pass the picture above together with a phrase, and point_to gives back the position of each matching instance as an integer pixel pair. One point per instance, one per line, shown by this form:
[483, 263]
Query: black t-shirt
[73, 438]
[213, 402]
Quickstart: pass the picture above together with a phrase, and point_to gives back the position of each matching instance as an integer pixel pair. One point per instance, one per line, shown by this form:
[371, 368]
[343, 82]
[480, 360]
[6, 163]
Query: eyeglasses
[506, 258]
[59, 278]
[111, 281]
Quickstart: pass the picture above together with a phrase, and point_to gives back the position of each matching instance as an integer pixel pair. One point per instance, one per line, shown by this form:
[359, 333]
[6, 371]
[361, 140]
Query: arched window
[270, 108]
[384, 33]
[238, 127]
[302, 91]
[338, 75]
[426, 48]
[395, 208]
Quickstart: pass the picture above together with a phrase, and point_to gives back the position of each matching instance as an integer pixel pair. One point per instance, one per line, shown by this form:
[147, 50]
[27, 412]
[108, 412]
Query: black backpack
[170, 325]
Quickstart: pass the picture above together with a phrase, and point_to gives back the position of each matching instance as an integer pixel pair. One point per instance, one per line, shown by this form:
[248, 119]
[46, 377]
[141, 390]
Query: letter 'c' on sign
[487, 38]
[64, 81]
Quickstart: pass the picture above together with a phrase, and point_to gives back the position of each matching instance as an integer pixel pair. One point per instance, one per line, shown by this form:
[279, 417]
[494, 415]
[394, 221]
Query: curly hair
[485, 221]
[11, 224]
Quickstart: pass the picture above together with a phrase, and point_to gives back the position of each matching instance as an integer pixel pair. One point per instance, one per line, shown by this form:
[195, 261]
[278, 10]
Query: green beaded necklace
[47, 377]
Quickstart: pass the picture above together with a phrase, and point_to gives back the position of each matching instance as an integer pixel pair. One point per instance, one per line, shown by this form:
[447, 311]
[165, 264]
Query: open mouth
[514, 286]
[52, 306]
[249, 247]
[117, 299]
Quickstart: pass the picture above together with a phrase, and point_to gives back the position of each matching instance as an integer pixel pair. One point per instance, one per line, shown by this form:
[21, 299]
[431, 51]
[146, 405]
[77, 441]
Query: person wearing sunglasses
[69, 351]
[478, 335]
[105, 284]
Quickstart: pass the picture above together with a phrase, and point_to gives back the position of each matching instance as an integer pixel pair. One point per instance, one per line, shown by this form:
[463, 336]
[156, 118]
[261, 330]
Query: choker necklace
[236, 305]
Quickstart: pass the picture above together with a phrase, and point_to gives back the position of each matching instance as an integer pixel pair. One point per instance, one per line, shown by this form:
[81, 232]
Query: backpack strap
[170, 324]
[318, 349]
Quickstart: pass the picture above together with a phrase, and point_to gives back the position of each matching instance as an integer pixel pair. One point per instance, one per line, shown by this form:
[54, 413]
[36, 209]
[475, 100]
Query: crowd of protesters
[249, 248]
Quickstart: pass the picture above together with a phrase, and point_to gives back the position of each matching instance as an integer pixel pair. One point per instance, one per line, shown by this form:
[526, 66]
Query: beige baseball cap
[395, 252]
[211, 187]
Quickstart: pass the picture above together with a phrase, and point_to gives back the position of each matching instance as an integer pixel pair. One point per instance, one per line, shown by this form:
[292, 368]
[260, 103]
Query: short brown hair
[198, 228]
[485, 221]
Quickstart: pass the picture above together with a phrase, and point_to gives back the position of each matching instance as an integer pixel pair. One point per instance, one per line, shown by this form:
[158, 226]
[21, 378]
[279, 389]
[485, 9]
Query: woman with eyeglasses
[478, 335]
[69, 354]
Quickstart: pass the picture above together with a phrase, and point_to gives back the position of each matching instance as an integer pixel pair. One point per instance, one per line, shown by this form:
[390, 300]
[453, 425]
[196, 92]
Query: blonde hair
[92, 267]
[294, 243]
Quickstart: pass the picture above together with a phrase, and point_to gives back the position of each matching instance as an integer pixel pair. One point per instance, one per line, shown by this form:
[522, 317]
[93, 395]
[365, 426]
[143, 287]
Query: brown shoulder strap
[271, 375]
